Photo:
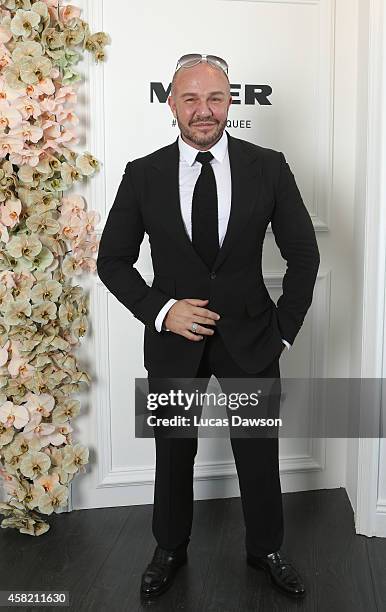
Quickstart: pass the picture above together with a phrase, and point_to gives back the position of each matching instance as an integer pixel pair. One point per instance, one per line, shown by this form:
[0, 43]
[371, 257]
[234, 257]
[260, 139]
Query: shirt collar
[189, 153]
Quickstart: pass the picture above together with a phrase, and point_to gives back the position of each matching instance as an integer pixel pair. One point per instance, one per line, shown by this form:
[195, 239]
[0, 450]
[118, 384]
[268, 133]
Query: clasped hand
[183, 313]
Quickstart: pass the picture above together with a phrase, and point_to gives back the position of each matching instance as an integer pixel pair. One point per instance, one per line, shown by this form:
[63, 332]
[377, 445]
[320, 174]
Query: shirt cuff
[288, 345]
[162, 314]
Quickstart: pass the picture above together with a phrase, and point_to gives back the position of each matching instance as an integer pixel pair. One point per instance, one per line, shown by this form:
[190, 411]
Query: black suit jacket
[251, 325]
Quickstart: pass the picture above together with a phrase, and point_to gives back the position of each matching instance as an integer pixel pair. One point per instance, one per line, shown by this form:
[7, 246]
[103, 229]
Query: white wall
[366, 482]
[307, 51]
[325, 138]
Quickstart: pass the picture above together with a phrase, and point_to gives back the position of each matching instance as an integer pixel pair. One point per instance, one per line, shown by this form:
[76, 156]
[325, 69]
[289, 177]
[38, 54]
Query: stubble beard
[203, 140]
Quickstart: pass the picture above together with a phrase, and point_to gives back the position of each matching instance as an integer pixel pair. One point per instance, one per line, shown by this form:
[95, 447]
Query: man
[205, 201]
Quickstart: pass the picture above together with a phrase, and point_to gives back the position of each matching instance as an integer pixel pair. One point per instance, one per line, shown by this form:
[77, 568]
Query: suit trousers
[257, 465]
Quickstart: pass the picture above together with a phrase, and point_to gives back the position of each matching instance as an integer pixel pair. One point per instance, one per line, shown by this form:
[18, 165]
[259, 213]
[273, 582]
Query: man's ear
[172, 105]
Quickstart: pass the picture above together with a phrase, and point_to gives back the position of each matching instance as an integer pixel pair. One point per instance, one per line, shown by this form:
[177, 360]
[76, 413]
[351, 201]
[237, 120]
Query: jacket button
[213, 275]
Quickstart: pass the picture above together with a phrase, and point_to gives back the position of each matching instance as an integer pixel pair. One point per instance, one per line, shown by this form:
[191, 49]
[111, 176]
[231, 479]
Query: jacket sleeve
[295, 236]
[118, 251]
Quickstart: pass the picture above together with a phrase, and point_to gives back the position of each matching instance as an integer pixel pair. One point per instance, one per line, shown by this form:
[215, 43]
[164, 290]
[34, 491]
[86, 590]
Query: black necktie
[205, 212]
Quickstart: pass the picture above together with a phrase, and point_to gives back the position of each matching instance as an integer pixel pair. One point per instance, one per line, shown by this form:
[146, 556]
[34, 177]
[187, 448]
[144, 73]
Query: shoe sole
[260, 566]
[149, 596]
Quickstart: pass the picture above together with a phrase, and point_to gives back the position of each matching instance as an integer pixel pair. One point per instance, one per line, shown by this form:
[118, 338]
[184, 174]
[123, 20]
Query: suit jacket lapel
[167, 163]
[246, 185]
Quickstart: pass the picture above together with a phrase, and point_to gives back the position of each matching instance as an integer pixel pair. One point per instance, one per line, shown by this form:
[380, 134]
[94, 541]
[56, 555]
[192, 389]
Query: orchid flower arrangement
[46, 240]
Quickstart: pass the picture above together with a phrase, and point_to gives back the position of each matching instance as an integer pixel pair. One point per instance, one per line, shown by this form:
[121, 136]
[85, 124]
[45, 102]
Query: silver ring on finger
[194, 327]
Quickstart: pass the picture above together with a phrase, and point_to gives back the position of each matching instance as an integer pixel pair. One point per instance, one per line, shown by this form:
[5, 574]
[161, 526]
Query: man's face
[200, 101]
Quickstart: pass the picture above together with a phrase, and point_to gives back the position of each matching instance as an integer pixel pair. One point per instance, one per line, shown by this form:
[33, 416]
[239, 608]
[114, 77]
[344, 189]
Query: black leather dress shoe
[283, 575]
[160, 572]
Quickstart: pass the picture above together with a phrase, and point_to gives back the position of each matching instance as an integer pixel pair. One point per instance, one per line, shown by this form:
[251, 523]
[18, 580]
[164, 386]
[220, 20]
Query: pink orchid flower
[69, 12]
[4, 236]
[47, 481]
[48, 105]
[44, 432]
[5, 56]
[13, 415]
[5, 34]
[28, 107]
[67, 117]
[9, 94]
[25, 157]
[9, 212]
[42, 404]
[33, 91]
[21, 277]
[88, 247]
[52, 144]
[4, 353]
[34, 420]
[65, 94]
[10, 144]
[27, 131]
[7, 278]
[84, 258]
[51, 129]
[19, 366]
[70, 226]
[89, 219]
[84, 249]
[45, 86]
[68, 136]
[51, 3]
[64, 428]
[72, 205]
[9, 117]
[47, 435]
[11, 483]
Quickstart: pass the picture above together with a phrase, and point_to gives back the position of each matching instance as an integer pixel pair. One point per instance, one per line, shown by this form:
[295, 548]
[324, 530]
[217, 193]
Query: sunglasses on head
[192, 59]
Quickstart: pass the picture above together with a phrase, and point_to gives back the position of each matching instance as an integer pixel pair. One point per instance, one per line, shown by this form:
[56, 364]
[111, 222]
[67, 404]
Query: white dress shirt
[189, 171]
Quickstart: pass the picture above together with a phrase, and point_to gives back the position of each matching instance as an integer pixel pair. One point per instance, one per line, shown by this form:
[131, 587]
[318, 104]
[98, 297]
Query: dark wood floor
[99, 555]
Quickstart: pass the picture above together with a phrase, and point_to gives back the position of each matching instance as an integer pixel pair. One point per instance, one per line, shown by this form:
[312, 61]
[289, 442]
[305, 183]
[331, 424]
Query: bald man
[205, 202]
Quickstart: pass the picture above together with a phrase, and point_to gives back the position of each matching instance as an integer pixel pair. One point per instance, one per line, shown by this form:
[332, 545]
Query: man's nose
[203, 109]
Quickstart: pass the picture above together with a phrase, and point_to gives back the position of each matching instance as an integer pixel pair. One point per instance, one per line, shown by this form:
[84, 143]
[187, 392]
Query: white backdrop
[305, 51]
[283, 45]
[326, 119]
